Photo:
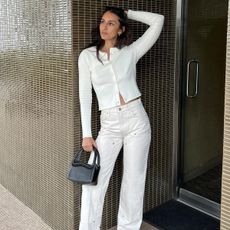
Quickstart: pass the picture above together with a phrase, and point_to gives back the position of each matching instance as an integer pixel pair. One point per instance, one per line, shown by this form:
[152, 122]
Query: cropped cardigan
[116, 75]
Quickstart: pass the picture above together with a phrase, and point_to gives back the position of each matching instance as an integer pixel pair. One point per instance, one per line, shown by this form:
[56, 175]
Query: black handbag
[84, 173]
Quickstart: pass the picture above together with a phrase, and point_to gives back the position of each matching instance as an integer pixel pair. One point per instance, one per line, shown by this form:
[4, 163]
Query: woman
[109, 66]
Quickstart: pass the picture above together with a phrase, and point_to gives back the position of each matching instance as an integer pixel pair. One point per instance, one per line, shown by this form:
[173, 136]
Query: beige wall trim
[225, 196]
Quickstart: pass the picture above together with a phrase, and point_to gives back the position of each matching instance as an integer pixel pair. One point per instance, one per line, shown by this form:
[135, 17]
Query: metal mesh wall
[155, 76]
[36, 106]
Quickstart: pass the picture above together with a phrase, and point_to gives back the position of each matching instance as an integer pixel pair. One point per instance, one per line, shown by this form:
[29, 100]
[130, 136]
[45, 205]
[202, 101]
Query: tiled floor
[144, 226]
[207, 185]
[14, 215]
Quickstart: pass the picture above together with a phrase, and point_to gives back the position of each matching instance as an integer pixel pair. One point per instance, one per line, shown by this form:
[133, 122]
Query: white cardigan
[117, 75]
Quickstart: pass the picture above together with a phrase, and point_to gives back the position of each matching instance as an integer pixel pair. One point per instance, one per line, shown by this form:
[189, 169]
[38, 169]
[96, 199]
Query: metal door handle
[188, 76]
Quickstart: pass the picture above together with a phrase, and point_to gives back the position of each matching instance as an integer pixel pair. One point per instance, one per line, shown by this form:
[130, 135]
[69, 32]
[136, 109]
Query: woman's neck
[108, 45]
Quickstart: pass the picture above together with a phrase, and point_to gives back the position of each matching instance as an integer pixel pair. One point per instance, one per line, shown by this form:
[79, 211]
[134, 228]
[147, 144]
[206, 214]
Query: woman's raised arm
[147, 40]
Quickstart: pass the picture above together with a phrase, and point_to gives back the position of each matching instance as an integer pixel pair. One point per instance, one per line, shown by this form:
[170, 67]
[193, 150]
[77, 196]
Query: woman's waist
[122, 107]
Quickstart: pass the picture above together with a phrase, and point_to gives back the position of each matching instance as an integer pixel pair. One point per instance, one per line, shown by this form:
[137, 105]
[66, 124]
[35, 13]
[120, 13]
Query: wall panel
[36, 106]
[225, 199]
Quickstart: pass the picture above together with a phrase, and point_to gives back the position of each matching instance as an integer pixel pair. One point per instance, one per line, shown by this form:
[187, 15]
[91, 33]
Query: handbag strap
[77, 156]
[96, 157]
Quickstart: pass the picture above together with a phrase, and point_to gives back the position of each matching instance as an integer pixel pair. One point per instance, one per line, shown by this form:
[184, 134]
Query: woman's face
[109, 26]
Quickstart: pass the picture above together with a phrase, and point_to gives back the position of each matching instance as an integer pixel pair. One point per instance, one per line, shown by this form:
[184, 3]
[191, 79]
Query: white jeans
[126, 125]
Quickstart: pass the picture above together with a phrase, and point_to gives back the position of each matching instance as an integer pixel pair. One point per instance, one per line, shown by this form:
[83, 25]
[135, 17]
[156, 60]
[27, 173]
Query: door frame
[176, 101]
[182, 195]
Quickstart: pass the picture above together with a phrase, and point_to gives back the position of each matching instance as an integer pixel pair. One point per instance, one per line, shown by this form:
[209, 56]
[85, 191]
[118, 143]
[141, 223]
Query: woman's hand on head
[88, 143]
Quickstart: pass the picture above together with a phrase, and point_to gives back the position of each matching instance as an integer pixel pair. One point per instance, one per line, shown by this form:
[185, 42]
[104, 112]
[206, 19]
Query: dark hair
[122, 40]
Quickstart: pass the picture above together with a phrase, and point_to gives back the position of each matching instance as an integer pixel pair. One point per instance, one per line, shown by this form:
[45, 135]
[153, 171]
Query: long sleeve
[85, 95]
[147, 40]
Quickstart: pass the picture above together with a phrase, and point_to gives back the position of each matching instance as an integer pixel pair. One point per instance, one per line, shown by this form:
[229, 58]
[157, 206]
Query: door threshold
[200, 203]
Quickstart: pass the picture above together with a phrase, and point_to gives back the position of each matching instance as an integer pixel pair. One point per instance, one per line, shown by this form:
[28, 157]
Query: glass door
[202, 97]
